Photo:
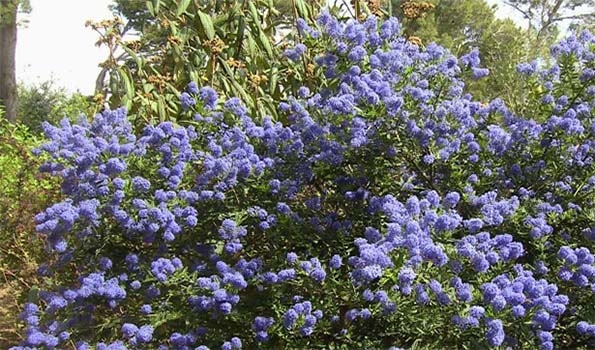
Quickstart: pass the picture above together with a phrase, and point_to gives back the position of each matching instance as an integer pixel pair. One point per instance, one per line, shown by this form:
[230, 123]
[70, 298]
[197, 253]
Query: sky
[55, 45]
[505, 11]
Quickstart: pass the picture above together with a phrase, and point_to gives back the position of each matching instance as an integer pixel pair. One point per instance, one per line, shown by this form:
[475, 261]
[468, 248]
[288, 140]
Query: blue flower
[295, 53]
[335, 262]
[187, 100]
[495, 333]
[209, 97]
[145, 334]
[192, 88]
[292, 258]
[129, 330]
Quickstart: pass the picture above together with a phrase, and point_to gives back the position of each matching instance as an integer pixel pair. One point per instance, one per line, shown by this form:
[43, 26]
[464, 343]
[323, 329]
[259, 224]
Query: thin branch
[581, 16]
[527, 14]
[545, 24]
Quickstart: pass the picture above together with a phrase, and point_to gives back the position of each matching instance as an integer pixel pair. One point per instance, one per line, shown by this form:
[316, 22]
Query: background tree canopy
[169, 52]
[235, 46]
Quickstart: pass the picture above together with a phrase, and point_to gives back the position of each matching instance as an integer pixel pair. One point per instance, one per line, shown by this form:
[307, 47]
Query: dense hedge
[24, 193]
[387, 208]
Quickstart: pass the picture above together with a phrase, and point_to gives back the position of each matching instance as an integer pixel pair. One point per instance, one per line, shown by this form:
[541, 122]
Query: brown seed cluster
[174, 40]
[160, 81]
[99, 99]
[233, 63]
[375, 7]
[106, 23]
[164, 22]
[134, 45]
[257, 79]
[414, 10]
[415, 40]
[109, 31]
[109, 63]
[215, 45]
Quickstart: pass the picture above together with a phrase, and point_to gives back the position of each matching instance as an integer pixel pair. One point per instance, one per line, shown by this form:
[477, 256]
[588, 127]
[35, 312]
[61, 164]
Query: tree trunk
[8, 43]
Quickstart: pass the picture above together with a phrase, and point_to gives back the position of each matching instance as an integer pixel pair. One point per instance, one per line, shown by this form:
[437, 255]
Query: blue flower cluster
[483, 251]
[302, 314]
[578, 266]
[387, 199]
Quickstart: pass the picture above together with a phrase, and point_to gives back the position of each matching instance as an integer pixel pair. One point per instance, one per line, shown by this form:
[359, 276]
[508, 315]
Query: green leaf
[137, 59]
[273, 79]
[240, 37]
[210, 70]
[271, 107]
[150, 8]
[262, 38]
[237, 87]
[113, 84]
[33, 295]
[302, 8]
[128, 85]
[161, 108]
[251, 47]
[182, 6]
[254, 13]
[147, 88]
[173, 28]
[194, 75]
[207, 25]
[265, 42]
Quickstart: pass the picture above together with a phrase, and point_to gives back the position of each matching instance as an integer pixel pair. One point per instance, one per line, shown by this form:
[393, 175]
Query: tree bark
[8, 43]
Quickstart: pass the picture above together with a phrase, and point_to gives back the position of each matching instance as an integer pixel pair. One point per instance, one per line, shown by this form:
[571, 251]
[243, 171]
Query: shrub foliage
[25, 192]
[385, 208]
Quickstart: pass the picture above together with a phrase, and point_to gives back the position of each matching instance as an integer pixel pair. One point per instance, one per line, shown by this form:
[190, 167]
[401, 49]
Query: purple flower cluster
[384, 192]
[260, 326]
[163, 267]
[578, 268]
[303, 316]
[525, 295]
[314, 269]
[483, 251]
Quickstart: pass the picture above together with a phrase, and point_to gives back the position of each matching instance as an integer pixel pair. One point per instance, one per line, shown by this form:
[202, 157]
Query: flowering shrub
[386, 209]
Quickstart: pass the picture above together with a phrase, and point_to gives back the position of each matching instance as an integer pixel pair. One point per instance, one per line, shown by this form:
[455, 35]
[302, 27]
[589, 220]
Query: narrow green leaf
[161, 108]
[262, 39]
[113, 84]
[137, 59]
[128, 86]
[251, 47]
[225, 84]
[100, 81]
[273, 79]
[210, 70]
[147, 88]
[240, 37]
[194, 75]
[302, 9]
[150, 8]
[254, 13]
[265, 42]
[271, 107]
[173, 28]
[207, 25]
[237, 87]
[224, 18]
[182, 6]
